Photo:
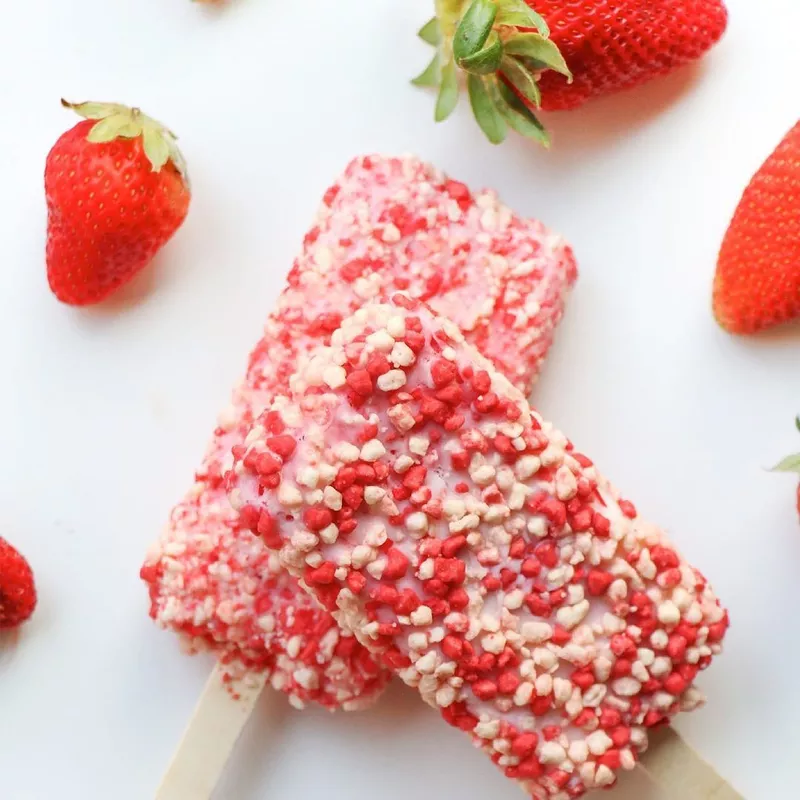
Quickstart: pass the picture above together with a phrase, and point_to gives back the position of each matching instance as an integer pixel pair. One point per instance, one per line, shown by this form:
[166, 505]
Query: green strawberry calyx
[503, 47]
[790, 463]
[115, 121]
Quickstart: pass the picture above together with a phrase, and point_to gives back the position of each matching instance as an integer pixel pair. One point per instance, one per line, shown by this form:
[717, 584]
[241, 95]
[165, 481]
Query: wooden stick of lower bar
[681, 772]
[216, 724]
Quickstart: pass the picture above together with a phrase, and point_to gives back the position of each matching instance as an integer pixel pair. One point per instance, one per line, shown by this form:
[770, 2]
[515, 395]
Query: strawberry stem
[503, 46]
[448, 13]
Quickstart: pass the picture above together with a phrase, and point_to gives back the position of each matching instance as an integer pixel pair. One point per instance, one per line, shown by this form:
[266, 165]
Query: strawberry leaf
[156, 147]
[177, 159]
[447, 100]
[487, 60]
[519, 117]
[474, 29]
[430, 32]
[489, 118]
[531, 64]
[94, 110]
[523, 81]
[110, 128]
[473, 37]
[518, 14]
[542, 51]
[130, 128]
[431, 75]
[789, 464]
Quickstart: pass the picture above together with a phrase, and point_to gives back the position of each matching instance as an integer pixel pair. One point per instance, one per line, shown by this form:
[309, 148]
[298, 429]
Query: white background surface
[106, 412]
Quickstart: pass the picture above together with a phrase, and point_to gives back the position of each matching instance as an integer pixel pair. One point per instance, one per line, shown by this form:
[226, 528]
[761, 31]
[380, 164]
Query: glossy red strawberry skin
[611, 45]
[109, 213]
[17, 589]
[757, 283]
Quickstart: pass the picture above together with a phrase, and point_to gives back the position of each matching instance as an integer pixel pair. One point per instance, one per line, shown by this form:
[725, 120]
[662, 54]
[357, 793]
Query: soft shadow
[215, 8]
[579, 134]
[633, 786]
[131, 294]
[757, 347]
[8, 645]
[789, 331]
[261, 740]
[608, 118]
[398, 705]
[160, 272]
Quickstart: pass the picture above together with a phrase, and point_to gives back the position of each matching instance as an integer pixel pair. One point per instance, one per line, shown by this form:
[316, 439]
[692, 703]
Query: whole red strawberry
[523, 55]
[117, 191]
[17, 589]
[757, 284]
[792, 464]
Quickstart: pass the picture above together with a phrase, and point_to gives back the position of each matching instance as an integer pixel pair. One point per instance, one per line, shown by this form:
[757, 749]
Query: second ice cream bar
[469, 545]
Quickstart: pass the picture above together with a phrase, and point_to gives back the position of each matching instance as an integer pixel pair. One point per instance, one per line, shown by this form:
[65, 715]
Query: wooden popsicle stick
[681, 772]
[210, 736]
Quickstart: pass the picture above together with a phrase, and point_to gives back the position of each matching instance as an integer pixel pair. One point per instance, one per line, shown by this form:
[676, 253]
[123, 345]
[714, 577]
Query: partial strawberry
[523, 55]
[757, 284]
[791, 464]
[17, 589]
[117, 190]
